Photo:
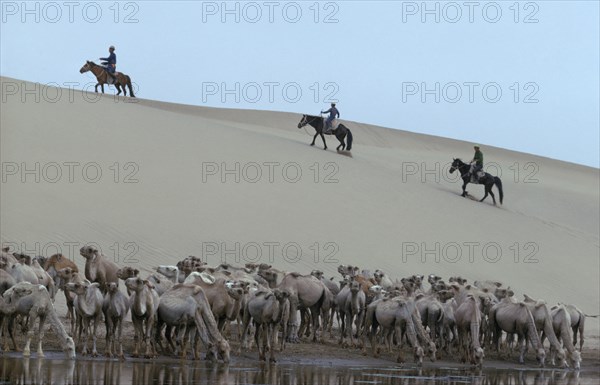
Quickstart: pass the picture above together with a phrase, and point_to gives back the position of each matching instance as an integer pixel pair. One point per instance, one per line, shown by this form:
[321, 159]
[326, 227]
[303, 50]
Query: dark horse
[487, 180]
[102, 78]
[319, 123]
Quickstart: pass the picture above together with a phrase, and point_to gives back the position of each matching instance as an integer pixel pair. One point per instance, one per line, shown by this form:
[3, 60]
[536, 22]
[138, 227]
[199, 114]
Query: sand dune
[391, 206]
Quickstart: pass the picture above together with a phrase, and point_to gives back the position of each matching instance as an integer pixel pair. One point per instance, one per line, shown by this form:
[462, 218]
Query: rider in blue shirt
[110, 62]
[333, 113]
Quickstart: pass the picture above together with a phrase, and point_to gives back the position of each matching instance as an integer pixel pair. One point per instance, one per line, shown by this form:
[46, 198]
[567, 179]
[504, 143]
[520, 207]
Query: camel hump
[295, 275]
[197, 290]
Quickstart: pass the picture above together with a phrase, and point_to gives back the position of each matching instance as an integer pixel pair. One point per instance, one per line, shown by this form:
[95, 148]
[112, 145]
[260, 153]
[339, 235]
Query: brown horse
[103, 78]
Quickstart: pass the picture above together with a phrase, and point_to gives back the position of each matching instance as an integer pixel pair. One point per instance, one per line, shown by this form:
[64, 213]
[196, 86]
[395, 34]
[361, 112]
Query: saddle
[475, 177]
[111, 78]
[334, 126]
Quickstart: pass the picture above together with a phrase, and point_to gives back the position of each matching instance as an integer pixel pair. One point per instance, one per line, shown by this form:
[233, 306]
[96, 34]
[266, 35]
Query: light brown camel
[115, 307]
[515, 318]
[186, 307]
[88, 308]
[33, 301]
[144, 305]
[543, 323]
[64, 276]
[561, 322]
[468, 321]
[392, 315]
[267, 310]
[351, 301]
[99, 268]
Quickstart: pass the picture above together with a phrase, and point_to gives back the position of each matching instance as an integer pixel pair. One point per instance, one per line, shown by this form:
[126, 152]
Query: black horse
[319, 123]
[487, 180]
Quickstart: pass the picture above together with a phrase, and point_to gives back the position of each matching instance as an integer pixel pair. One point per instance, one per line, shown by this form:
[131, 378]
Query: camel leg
[30, 333]
[148, 338]
[522, 349]
[42, 320]
[271, 341]
[257, 339]
[95, 328]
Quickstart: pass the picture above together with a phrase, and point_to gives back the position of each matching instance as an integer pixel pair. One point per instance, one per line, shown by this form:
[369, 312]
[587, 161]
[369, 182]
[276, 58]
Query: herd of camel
[192, 303]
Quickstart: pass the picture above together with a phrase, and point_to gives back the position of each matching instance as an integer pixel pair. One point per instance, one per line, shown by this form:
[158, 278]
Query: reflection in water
[19, 371]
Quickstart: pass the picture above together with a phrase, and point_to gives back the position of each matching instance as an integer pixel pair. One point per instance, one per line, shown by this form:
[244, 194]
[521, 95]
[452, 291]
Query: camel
[351, 302]
[115, 307]
[468, 320]
[224, 297]
[98, 268]
[185, 305]
[392, 315]
[6, 281]
[334, 289]
[64, 276]
[160, 282]
[171, 272]
[144, 305]
[449, 330]
[432, 314]
[6, 258]
[561, 322]
[33, 301]
[6, 311]
[382, 279]
[127, 272]
[88, 307]
[267, 310]
[58, 262]
[516, 318]
[43, 277]
[577, 324]
[543, 323]
[21, 272]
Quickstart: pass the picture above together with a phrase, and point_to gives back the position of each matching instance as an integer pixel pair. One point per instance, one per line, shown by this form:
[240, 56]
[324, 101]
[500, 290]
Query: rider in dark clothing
[478, 162]
[110, 62]
[333, 113]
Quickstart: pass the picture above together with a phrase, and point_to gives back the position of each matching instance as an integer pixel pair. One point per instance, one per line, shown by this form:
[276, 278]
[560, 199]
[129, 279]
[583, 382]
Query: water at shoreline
[55, 370]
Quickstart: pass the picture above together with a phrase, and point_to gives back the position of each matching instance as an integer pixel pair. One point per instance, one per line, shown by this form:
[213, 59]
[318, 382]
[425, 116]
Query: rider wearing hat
[477, 162]
[110, 62]
[333, 113]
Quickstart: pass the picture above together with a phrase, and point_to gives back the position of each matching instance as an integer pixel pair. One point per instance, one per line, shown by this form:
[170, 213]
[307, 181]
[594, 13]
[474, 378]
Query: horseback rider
[333, 113]
[110, 63]
[476, 163]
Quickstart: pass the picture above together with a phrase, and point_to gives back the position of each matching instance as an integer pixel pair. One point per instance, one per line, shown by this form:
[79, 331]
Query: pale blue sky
[374, 56]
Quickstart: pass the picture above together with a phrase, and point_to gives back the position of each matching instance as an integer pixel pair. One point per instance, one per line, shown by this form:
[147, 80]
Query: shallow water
[17, 370]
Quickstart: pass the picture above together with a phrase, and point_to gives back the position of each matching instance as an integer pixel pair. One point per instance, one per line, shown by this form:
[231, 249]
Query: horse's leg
[118, 86]
[487, 191]
[342, 144]
[464, 188]
[314, 138]
[492, 194]
[324, 144]
[96, 87]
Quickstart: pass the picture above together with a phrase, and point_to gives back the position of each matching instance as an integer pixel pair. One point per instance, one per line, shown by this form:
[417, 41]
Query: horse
[318, 124]
[487, 180]
[102, 78]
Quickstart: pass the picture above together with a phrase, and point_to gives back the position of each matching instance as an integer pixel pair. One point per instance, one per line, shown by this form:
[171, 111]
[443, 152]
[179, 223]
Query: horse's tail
[129, 86]
[498, 184]
[349, 147]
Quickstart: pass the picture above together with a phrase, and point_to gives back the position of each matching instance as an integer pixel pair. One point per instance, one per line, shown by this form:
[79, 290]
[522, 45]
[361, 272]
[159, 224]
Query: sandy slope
[380, 207]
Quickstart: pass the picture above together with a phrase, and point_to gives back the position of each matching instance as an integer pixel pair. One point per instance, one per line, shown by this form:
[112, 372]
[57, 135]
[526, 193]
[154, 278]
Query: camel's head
[478, 356]
[113, 287]
[433, 279]
[269, 275]
[541, 356]
[562, 358]
[224, 350]
[127, 272]
[89, 252]
[235, 290]
[354, 286]
[317, 273]
[576, 360]
[136, 284]
[378, 275]
[168, 271]
[432, 351]
[418, 279]
[376, 289]
[80, 288]
[20, 290]
[419, 354]
[281, 295]
[65, 273]
[69, 348]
